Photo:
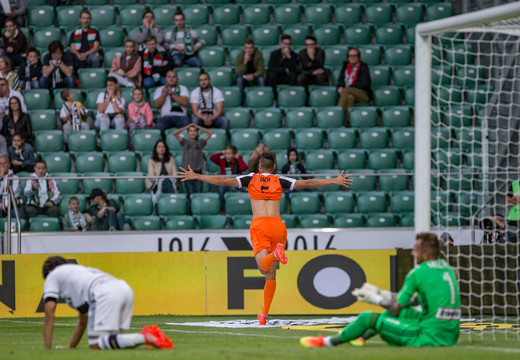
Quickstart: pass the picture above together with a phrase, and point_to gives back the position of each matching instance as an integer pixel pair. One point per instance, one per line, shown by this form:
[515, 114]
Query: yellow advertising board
[210, 283]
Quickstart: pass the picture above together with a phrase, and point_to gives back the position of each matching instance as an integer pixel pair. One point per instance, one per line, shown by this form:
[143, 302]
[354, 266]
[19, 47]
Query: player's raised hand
[344, 180]
[187, 174]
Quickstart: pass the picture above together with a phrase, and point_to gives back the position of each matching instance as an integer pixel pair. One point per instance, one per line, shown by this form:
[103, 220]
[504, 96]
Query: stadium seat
[228, 14]
[408, 160]
[265, 35]
[145, 140]
[64, 203]
[245, 139]
[289, 221]
[121, 161]
[379, 14]
[138, 205]
[196, 15]
[92, 78]
[393, 180]
[188, 76]
[68, 16]
[112, 36]
[327, 35]
[446, 158]
[232, 97]
[340, 139]
[451, 219]
[298, 34]
[285, 15]
[257, 14]
[180, 223]
[37, 99]
[114, 140]
[319, 160]
[146, 223]
[130, 16]
[237, 203]
[375, 138]
[442, 75]
[327, 174]
[409, 96]
[239, 118]
[234, 35]
[205, 204]
[164, 15]
[480, 95]
[387, 96]
[379, 75]
[69, 185]
[95, 181]
[44, 224]
[396, 117]
[439, 11]
[358, 34]
[398, 55]
[371, 202]
[410, 37]
[403, 139]
[404, 76]
[212, 56]
[259, 97]
[49, 141]
[448, 96]
[82, 141]
[364, 180]
[321, 96]
[293, 96]
[268, 119]
[335, 56]
[460, 54]
[90, 162]
[242, 221]
[42, 119]
[352, 159]
[390, 34]
[41, 16]
[299, 118]
[314, 221]
[109, 55]
[319, 14]
[217, 141]
[338, 202]
[94, 2]
[44, 36]
[169, 205]
[309, 139]
[212, 221]
[402, 202]
[331, 117]
[440, 137]
[407, 220]
[277, 139]
[381, 220]
[382, 159]
[348, 221]
[102, 16]
[370, 54]
[221, 76]
[304, 203]
[57, 162]
[348, 13]
[130, 185]
[209, 34]
[363, 117]
[409, 14]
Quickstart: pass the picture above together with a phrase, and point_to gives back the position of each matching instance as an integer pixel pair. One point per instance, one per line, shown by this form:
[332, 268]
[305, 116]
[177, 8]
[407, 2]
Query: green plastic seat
[382, 159]
[309, 139]
[164, 15]
[393, 180]
[409, 96]
[109, 55]
[410, 37]
[130, 16]
[447, 158]
[226, 15]
[146, 223]
[338, 202]
[387, 96]
[348, 221]
[293, 96]
[42, 119]
[188, 76]
[245, 139]
[396, 117]
[330, 117]
[95, 182]
[340, 139]
[90, 162]
[379, 14]
[327, 174]
[209, 34]
[439, 11]
[145, 140]
[82, 141]
[37, 99]
[212, 56]
[112, 37]
[404, 76]
[402, 202]
[258, 97]
[265, 35]
[278, 139]
[370, 54]
[232, 97]
[358, 34]
[289, 14]
[268, 119]
[363, 117]
[299, 118]
[239, 118]
[298, 34]
[68, 16]
[103, 16]
[364, 180]
[64, 203]
[480, 95]
[374, 138]
[381, 220]
[335, 56]
[114, 140]
[121, 161]
[44, 36]
[407, 220]
[442, 75]
[49, 141]
[222, 76]
[319, 159]
[409, 14]
[41, 16]
[389, 34]
[348, 14]
[409, 160]
[94, 2]
[327, 34]
[57, 162]
[44, 224]
[205, 203]
[469, 138]
[217, 141]
[398, 55]
[304, 203]
[371, 202]
[237, 203]
[196, 15]
[138, 205]
[461, 54]
[403, 139]
[130, 185]
[180, 223]
[319, 14]
[321, 96]
[379, 75]
[352, 159]
[314, 221]
[242, 221]
[234, 35]
[172, 204]
[257, 14]
[289, 221]
[69, 185]
[92, 78]
[212, 221]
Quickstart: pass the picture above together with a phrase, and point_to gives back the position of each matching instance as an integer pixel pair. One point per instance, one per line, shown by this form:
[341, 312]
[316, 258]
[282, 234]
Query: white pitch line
[491, 348]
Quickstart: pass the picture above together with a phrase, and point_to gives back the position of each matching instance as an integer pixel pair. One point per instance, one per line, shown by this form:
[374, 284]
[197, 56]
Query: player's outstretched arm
[343, 180]
[48, 323]
[79, 330]
[212, 179]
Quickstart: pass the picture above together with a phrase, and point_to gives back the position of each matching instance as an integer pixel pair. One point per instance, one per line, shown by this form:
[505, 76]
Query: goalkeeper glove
[371, 294]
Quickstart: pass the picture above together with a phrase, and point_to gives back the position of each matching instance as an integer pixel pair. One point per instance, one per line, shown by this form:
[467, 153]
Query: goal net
[467, 151]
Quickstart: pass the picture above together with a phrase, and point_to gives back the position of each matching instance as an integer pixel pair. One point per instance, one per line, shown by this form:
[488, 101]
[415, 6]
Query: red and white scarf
[158, 58]
[351, 74]
[91, 37]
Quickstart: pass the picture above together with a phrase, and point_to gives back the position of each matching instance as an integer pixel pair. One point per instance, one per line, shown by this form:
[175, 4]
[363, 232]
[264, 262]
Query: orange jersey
[265, 186]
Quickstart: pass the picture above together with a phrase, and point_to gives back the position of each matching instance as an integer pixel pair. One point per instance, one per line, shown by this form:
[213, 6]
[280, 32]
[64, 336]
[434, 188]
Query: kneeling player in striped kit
[102, 301]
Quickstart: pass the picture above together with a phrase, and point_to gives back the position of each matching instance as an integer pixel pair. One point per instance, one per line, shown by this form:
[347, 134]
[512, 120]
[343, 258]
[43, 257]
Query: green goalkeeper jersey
[438, 294]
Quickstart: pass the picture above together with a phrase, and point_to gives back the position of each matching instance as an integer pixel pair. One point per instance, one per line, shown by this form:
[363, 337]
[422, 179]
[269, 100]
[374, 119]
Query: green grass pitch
[23, 339]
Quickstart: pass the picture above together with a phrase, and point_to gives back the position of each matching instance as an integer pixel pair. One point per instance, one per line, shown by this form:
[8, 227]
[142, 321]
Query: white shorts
[110, 309]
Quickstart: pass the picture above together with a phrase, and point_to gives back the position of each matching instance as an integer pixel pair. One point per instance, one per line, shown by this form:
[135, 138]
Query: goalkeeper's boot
[312, 341]
[280, 254]
[262, 319]
[155, 337]
[358, 342]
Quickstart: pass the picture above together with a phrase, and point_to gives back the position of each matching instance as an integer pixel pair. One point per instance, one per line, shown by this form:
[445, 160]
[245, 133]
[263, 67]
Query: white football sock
[120, 341]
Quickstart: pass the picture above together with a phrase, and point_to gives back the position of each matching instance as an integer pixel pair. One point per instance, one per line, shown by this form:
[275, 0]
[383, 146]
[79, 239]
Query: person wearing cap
[105, 213]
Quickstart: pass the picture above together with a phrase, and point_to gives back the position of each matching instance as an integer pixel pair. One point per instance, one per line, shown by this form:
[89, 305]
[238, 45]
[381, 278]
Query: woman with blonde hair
[7, 73]
[111, 107]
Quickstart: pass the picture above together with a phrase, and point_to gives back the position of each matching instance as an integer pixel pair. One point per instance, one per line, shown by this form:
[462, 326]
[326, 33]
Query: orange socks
[269, 289]
[267, 262]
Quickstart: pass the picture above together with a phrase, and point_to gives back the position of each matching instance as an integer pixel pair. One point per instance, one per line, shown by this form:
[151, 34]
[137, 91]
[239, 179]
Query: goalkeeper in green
[434, 285]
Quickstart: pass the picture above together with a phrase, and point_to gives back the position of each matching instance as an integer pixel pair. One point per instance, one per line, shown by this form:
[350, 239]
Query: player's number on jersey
[446, 277]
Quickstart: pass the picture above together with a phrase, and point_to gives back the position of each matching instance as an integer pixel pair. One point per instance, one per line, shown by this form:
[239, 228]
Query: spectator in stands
[353, 83]
[156, 64]
[293, 168]
[126, 68]
[6, 72]
[161, 163]
[7, 174]
[148, 28]
[16, 121]
[255, 156]
[84, 43]
[73, 114]
[30, 70]
[6, 93]
[207, 105]
[15, 42]
[21, 154]
[42, 193]
[74, 220]
[312, 64]
[183, 43]
[171, 99]
[230, 164]
[250, 66]
[284, 64]
[192, 155]
[15, 9]
[140, 115]
[104, 212]
[58, 68]
[111, 107]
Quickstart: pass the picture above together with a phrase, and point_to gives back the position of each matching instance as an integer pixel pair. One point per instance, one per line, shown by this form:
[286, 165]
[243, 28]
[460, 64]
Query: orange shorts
[266, 232]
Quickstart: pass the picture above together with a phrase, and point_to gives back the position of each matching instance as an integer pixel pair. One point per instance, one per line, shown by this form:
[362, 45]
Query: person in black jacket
[353, 83]
[312, 64]
[16, 121]
[283, 65]
[30, 70]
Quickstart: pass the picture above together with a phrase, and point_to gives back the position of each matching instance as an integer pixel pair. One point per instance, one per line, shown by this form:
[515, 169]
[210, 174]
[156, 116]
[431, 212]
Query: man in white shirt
[207, 105]
[42, 193]
[171, 99]
[184, 43]
[103, 302]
